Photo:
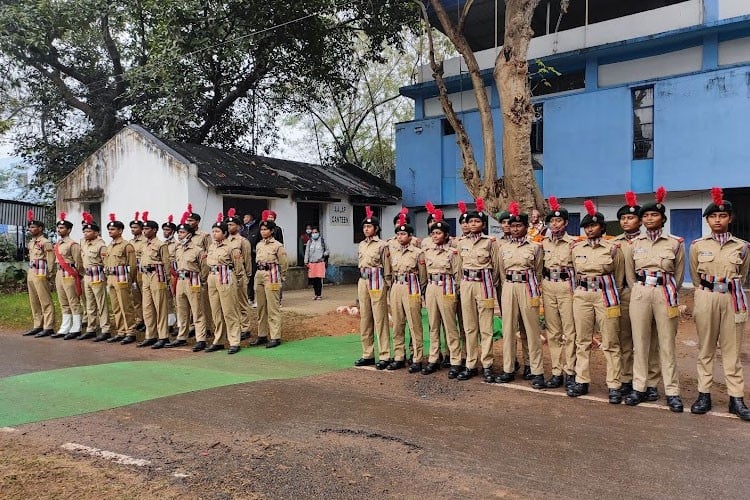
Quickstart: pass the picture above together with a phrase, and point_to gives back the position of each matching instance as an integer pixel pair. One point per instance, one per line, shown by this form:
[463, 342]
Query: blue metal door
[687, 223]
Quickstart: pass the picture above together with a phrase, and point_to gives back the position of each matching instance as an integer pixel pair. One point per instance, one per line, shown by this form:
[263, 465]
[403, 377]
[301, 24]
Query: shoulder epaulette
[678, 238]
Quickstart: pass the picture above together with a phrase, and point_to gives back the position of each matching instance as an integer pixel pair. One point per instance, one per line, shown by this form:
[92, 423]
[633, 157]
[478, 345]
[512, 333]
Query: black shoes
[396, 365]
[215, 347]
[737, 407]
[244, 335]
[161, 343]
[527, 375]
[702, 404]
[72, 336]
[45, 333]
[467, 373]
[118, 338]
[430, 368]
[32, 332]
[504, 378]
[626, 388]
[365, 362]
[415, 367]
[146, 343]
[199, 346]
[578, 389]
[675, 404]
[454, 371]
[537, 382]
[615, 396]
[233, 349]
[383, 364]
[652, 394]
[258, 341]
[554, 382]
[570, 380]
[446, 361]
[58, 335]
[140, 327]
[129, 339]
[273, 343]
[177, 343]
[635, 398]
[87, 335]
[489, 377]
[103, 337]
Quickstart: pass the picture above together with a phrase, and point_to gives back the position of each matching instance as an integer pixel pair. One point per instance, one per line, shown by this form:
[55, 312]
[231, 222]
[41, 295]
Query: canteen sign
[340, 214]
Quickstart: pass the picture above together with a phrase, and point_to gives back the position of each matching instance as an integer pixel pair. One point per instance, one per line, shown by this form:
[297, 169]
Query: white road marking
[107, 455]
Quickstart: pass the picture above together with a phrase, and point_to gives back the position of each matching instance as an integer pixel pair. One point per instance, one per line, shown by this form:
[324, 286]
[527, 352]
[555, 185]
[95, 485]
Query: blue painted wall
[701, 125]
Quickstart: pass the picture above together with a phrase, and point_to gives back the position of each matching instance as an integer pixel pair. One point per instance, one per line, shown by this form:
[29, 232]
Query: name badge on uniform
[639, 250]
[581, 258]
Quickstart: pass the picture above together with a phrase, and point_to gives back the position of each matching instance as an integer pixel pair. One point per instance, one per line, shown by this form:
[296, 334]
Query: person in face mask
[316, 255]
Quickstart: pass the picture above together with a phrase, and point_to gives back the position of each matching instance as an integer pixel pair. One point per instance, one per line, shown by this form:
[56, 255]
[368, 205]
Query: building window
[643, 123]
[537, 129]
[358, 212]
[447, 127]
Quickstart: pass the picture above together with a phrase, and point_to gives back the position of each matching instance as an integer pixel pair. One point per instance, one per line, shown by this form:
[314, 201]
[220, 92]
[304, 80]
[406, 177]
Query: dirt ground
[364, 433]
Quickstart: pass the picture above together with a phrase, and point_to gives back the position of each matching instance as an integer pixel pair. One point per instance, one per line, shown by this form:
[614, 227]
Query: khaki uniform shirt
[374, 252]
[526, 256]
[270, 251]
[93, 252]
[243, 262]
[205, 240]
[121, 253]
[441, 259]
[408, 259]
[40, 248]
[558, 254]
[70, 251]
[480, 252]
[666, 254]
[604, 257]
[138, 244]
[156, 252]
[730, 260]
[171, 243]
[219, 253]
[626, 247]
[189, 256]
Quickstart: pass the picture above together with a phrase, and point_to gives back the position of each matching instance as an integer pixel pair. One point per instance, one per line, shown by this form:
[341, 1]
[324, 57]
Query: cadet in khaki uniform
[655, 273]
[272, 265]
[557, 296]
[480, 264]
[169, 230]
[188, 300]
[630, 221]
[67, 280]
[41, 263]
[374, 262]
[138, 241]
[221, 258]
[204, 240]
[520, 270]
[243, 267]
[405, 296]
[93, 253]
[155, 266]
[599, 268]
[719, 264]
[120, 266]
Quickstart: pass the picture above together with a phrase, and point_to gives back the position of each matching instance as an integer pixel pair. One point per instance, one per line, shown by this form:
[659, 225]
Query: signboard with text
[339, 214]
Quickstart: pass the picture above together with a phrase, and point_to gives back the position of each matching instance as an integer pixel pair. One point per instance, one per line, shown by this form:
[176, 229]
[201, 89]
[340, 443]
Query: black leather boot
[615, 396]
[578, 389]
[675, 404]
[737, 406]
[467, 373]
[702, 404]
[635, 398]
[488, 376]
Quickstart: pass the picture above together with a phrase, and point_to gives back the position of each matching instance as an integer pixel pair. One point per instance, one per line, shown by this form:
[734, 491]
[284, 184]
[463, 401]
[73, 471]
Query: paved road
[361, 432]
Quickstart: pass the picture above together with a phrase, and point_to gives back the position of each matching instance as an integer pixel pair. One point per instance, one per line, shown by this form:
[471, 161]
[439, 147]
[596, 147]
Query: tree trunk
[512, 79]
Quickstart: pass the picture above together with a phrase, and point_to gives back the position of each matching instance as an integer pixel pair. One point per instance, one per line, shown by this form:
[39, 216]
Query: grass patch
[15, 310]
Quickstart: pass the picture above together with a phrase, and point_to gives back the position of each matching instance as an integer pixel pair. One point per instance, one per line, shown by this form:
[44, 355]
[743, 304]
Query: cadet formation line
[626, 288]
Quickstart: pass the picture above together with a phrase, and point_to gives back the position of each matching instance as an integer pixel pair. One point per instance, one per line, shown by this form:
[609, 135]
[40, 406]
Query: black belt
[556, 275]
[148, 269]
[265, 267]
[517, 277]
[642, 278]
[720, 287]
[591, 283]
[474, 274]
[220, 266]
[182, 274]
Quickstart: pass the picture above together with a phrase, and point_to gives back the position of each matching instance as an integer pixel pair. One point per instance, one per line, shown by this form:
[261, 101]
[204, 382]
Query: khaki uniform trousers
[155, 306]
[373, 310]
[441, 311]
[517, 310]
[461, 329]
[478, 314]
[70, 302]
[715, 320]
[244, 304]
[96, 305]
[188, 299]
[648, 304]
[123, 316]
[268, 298]
[626, 346]
[138, 298]
[208, 317]
[40, 299]
[406, 308]
[561, 328]
[223, 299]
[590, 313]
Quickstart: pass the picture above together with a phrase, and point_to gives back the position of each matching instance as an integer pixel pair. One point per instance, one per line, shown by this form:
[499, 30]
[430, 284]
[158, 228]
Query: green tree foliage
[204, 71]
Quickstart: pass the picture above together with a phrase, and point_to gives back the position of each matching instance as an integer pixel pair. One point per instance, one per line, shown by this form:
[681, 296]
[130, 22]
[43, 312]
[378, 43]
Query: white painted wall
[462, 101]
[647, 23]
[646, 68]
[734, 51]
[286, 217]
[733, 8]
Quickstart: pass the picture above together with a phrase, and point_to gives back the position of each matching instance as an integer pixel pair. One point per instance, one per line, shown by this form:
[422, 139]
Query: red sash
[68, 269]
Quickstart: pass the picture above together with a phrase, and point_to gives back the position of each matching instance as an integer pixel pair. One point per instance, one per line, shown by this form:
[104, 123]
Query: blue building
[652, 92]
